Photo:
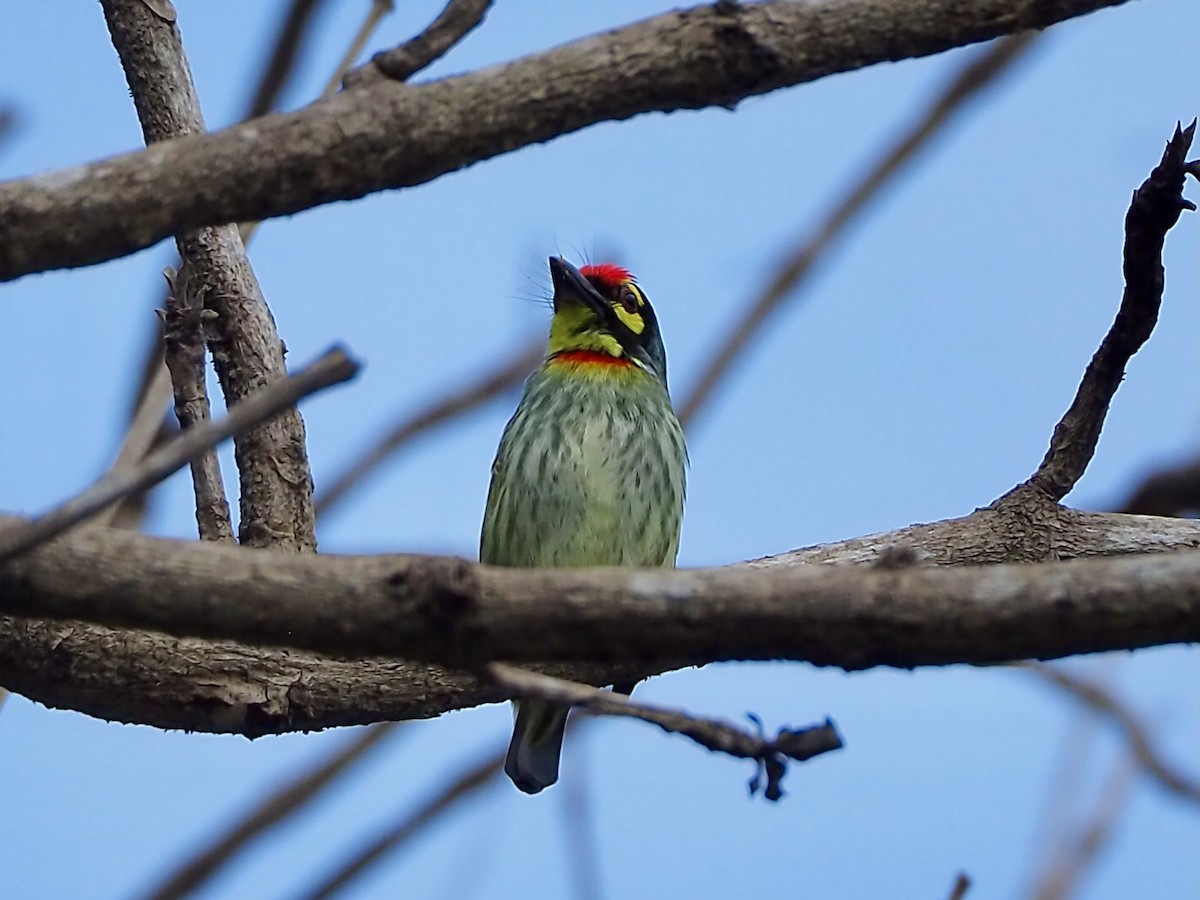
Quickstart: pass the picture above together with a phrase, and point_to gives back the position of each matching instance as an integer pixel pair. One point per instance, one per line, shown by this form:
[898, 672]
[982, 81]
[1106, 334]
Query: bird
[592, 467]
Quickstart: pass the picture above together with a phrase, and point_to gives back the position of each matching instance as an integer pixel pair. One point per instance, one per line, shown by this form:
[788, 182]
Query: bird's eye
[629, 300]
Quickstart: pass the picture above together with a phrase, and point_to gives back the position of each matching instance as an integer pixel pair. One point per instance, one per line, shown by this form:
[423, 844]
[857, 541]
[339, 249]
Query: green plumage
[590, 472]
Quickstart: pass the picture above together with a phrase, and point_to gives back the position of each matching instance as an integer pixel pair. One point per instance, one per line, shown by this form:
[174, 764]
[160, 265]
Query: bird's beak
[570, 285]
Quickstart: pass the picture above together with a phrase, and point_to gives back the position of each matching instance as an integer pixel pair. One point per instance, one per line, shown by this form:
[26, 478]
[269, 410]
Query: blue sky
[917, 378]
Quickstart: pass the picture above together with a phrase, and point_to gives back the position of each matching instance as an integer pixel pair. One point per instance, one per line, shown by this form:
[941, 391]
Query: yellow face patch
[628, 307]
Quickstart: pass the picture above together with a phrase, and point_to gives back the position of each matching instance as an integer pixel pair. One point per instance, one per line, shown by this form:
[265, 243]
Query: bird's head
[602, 317]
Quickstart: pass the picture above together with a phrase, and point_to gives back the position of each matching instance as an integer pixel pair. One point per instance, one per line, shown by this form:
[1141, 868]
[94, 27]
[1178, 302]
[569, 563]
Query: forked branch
[770, 754]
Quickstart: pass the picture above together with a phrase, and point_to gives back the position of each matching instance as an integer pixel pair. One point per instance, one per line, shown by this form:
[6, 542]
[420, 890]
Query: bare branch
[276, 484]
[1170, 492]
[274, 808]
[332, 368]
[962, 884]
[294, 27]
[492, 384]
[452, 612]
[183, 340]
[770, 754]
[1142, 749]
[347, 147]
[375, 14]
[147, 427]
[396, 836]
[456, 21]
[1065, 874]
[964, 86]
[1154, 210]
[8, 122]
[150, 678]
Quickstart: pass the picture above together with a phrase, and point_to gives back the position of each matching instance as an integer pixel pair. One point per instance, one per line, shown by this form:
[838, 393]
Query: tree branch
[147, 425]
[277, 806]
[17, 537]
[1153, 212]
[1141, 748]
[276, 483]
[183, 354]
[455, 22]
[294, 29]
[492, 384]
[962, 884]
[1173, 491]
[1083, 850]
[391, 839]
[451, 612]
[966, 84]
[771, 754]
[347, 147]
[150, 678]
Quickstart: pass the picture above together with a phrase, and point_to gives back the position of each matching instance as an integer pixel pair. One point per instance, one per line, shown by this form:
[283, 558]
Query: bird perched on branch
[591, 467]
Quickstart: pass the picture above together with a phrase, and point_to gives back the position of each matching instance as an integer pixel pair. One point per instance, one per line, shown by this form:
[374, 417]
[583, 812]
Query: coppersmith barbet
[591, 467]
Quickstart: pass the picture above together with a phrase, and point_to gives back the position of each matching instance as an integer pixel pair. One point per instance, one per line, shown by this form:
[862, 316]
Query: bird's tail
[532, 760]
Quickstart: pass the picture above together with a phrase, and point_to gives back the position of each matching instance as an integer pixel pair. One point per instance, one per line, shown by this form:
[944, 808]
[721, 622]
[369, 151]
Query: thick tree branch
[389, 135]
[771, 754]
[1153, 212]
[151, 678]
[275, 399]
[276, 483]
[451, 612]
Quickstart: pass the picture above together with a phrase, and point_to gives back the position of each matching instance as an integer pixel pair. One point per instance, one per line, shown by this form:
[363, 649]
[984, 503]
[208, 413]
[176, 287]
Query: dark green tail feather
[533, 753]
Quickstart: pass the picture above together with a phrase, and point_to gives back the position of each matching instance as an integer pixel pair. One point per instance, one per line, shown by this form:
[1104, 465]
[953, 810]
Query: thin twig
[1065, 779]
[492, 384]
[771, 754]
[966, 84]
[294, 28]
[8, 121]
[375, 15]
[1168, 492]
[1065, 873]
[455, 22]
[276, 806]
[962, 884]
[183, 341]
[1154, 210]
[147, 429]
[269, 401]
[1149, 759]
[391, 839]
